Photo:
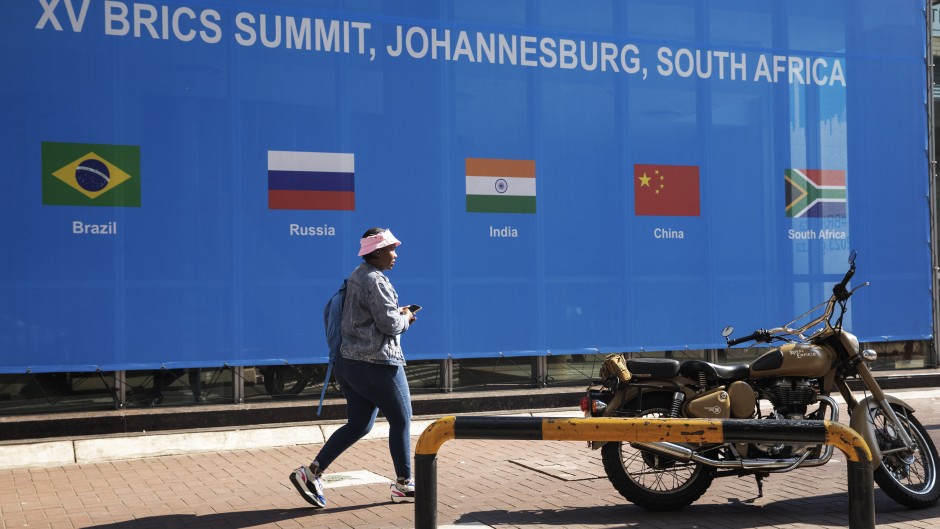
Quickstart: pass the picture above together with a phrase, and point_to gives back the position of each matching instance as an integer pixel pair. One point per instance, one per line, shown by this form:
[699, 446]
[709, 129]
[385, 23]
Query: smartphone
[414, 308]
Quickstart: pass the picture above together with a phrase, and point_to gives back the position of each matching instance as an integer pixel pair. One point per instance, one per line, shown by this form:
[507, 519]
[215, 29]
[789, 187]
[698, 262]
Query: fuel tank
[793, 360]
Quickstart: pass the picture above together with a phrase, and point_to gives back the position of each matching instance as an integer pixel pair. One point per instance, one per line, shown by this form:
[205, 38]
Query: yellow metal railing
[860, 482]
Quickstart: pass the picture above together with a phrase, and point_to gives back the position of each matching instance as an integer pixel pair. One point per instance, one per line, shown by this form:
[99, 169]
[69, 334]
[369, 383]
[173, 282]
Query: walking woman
[370, 369]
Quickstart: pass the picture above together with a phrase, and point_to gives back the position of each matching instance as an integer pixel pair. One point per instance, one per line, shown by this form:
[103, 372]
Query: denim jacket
[372, 324]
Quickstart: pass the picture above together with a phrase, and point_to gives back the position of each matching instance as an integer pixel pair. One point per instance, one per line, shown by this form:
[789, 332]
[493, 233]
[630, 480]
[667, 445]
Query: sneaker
[307, 482]
[403, 490]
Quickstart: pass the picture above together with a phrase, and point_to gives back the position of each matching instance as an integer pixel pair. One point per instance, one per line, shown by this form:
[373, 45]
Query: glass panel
[178, 387]
[287, 381]
[31, 393]
[899, 355]
[424, 376]
[489, 373]
[306, 381]
[571, 370]
[680, 355]
[738, 355]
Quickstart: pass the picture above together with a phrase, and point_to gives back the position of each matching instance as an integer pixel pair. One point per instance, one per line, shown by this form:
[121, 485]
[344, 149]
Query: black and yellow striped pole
[861, 484]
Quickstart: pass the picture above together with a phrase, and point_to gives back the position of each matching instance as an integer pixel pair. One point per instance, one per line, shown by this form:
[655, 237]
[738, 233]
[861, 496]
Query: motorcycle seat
[691, 369]
[653, 367]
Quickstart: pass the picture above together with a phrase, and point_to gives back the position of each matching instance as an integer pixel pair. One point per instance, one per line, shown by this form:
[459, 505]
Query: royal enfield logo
[802, 354]
[714, 410]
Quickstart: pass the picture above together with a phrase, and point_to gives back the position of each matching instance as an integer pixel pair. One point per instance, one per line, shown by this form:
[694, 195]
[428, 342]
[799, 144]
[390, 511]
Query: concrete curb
[114, 448]
[54, 453]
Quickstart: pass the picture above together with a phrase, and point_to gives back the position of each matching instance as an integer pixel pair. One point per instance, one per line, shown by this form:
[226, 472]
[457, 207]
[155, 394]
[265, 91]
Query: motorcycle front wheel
[653, 481]
[909, 477]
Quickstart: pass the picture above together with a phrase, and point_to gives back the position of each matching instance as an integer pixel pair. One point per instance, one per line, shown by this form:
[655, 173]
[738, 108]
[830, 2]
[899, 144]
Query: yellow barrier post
[860, 487]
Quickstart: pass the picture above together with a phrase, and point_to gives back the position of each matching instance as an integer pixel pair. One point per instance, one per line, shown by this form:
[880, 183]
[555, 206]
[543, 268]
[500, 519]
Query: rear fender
[629, 391]
[862, 423]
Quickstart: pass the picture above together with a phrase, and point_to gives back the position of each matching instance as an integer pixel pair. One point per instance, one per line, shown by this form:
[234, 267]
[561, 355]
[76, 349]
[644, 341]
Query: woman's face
[385, 258]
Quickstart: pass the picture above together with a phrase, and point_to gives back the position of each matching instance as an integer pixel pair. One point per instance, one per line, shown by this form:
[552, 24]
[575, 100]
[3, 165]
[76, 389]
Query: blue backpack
[333, 324]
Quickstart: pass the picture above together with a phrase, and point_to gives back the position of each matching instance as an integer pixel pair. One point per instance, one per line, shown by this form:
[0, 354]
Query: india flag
[500, 186]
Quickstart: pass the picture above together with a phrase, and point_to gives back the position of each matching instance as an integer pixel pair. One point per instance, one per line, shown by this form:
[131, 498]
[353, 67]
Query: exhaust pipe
[685, 455]
[677, 452]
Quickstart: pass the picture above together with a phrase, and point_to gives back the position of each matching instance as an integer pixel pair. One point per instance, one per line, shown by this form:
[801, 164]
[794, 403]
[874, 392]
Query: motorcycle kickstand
[759, 477]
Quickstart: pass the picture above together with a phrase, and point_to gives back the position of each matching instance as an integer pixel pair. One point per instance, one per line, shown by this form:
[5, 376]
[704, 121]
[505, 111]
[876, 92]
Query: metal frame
[932, 359]
[447, 375]
[238, 384]
[120, 389]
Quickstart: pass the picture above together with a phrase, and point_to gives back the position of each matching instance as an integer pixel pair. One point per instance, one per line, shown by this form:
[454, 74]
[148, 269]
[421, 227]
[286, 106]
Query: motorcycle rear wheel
[909, 477]
[653, 481]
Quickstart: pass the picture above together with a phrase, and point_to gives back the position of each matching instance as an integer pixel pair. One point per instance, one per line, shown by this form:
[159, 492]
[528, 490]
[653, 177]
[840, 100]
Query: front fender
[862, 423]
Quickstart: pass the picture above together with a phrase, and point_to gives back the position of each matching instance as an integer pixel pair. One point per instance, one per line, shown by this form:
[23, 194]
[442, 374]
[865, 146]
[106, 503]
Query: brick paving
[482, 483]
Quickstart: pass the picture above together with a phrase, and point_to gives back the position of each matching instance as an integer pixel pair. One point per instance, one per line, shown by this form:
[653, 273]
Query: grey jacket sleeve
[383, 305]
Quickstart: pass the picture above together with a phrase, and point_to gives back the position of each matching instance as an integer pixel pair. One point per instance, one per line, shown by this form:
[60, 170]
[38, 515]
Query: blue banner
[187, 182]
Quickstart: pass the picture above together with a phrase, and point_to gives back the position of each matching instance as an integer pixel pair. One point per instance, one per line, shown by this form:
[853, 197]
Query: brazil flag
[87, 174]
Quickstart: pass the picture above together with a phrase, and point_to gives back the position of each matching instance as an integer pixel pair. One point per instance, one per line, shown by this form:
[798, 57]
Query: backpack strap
[331, 313]
[326, 381]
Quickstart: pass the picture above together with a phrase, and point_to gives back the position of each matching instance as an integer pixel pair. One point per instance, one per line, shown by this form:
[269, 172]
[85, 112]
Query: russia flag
[311, 180]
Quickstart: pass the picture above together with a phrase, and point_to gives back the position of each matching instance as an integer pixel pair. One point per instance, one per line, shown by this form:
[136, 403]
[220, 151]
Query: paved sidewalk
[530, 484]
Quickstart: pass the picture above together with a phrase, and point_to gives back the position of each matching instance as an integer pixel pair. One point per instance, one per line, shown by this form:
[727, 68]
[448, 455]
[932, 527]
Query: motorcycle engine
[790, 398]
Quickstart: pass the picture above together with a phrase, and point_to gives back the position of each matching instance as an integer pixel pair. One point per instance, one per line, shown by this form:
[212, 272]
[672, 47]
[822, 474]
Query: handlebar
[839, 290]
[839, 295]
[737, 341]
[759, 335]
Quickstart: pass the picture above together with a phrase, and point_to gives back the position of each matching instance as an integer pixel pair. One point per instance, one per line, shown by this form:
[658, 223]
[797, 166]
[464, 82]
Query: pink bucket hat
[372, 243]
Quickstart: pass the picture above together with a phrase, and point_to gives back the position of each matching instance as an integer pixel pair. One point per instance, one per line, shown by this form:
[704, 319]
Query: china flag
[666, 190]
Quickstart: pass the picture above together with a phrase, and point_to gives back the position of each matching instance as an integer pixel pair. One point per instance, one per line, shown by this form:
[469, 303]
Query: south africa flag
[815, 193]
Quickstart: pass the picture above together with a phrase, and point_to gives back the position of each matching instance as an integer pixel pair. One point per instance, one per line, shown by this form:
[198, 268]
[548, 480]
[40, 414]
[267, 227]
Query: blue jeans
[369, 388]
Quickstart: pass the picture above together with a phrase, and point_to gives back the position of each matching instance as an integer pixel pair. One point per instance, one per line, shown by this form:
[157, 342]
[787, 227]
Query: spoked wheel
[909, 476]
[651, 480]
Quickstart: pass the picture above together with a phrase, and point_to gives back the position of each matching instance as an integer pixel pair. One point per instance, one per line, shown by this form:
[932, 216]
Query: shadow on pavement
[826, 511]
[228, 520]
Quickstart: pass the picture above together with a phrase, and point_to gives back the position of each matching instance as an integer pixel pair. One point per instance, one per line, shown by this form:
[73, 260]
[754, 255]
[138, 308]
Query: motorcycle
[791, 381]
